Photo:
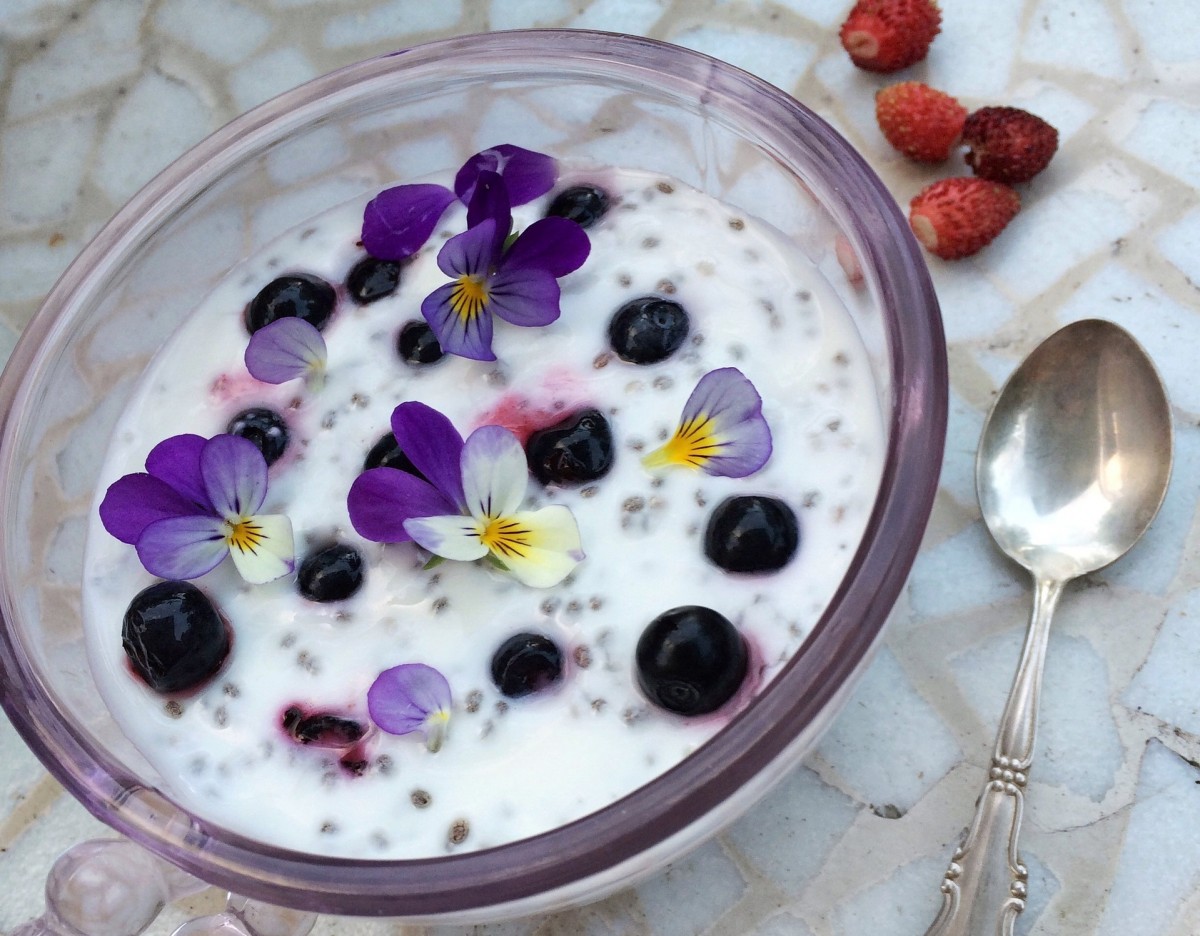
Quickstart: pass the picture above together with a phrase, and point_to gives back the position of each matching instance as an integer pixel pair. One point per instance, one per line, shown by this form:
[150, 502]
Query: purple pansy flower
[527, 175]
[411, 698]
[196, 503]
[722, 430]
[286, 349]
[470, 506]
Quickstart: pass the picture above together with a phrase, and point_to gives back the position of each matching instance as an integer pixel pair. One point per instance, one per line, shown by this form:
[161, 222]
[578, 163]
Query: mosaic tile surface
[98, 95]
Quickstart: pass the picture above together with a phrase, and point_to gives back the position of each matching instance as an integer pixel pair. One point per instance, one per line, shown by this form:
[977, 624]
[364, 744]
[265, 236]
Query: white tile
[692, 892]
[961, 64]
[1167, 136]
[42, 167]
[391, 21]
[1165, 686]
[28, 269]
[635, 17]
[26, 18]
[1083, 34]
[781, 924]
[19, 769]
[829, 14]
[965, 571]
[1066, 112]
[1180, 243]
[781, 60]
[523, 14]
[789, 834]
[871, 748]
[972, 307]
[322, 149]
[1166, 36]
[96, 51]
[904, 902]
[1160, 857]
[962, 440]
[268, 74]
[155, 123]
[223, 30]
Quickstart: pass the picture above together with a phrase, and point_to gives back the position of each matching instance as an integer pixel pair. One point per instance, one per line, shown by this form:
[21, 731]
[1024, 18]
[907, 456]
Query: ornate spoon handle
[984, 888]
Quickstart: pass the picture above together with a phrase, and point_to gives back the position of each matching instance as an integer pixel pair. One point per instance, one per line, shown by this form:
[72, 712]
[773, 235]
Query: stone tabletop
[98, 95]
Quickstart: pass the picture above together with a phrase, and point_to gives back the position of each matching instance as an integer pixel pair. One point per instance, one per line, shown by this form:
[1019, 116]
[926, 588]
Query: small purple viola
[197, 502]
[722, 430]
[411, 697]
[286, 349]
[470, 506]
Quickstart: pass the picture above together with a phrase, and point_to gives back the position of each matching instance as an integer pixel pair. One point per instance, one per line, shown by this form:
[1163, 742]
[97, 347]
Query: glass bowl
[606, 98]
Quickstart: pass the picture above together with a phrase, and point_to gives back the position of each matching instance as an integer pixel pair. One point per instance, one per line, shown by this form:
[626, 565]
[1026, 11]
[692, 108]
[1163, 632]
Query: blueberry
[300, 294]
[526, 663]
[323, 729]
[386, 453]
[175, 639]
[583, 204]
[576, 450]
[751, 533]
[417, 344]
[330, 574]
[265, 428]
[371, 279]
[690, 660]
[648, 329]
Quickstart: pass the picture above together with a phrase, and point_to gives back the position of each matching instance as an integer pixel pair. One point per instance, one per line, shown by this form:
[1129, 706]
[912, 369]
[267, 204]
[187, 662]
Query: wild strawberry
[887, 35]
[921, 122]
[1008, 144]
[956, 217]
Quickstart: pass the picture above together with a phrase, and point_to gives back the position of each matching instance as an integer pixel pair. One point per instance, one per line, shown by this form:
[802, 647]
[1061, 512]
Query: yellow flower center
[469, 297]
[693, 443]
[505, 537]
[244, 535]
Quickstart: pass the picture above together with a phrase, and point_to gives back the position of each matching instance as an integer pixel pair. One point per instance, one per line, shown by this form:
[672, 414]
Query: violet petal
[527, 174]
[285, 349]
[235, 475]
[381, 499]
[524, 297]
[183, 547]
[491, 201]
[134, 501]
[469, 253]
[177, 461]
[398, 221]
[556, 245]
[434, 447]
[467, 334]
[402, 699]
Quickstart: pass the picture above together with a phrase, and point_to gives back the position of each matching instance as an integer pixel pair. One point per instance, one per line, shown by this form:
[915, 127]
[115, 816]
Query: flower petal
[134, 501]
[468, 335]
[177, 461]
[470, 253]
[235, 476]
[398, 221]
[495, 474]
[262, 548]
[382, 499]
[555, 245]
[722, 430]
[526, 174]
[434, 447]
[490, 201]
[183, 547]
[450, 536]
[547, 549]
[410, 697]
[525, 297]
[286, 349]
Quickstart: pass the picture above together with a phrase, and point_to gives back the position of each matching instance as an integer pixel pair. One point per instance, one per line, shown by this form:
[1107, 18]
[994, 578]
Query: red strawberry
[1008, 144]
[887, 35]
[956, 217]
[921, 122]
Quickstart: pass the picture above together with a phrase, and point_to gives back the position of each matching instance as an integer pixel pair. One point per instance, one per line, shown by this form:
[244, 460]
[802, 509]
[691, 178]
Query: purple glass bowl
[579, 95]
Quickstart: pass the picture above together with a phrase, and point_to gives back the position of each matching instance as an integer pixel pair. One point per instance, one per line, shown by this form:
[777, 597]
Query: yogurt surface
[510, 768]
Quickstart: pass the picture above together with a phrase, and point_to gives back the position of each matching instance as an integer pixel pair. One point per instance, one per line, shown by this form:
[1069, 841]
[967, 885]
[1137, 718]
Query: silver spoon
[1072, 466]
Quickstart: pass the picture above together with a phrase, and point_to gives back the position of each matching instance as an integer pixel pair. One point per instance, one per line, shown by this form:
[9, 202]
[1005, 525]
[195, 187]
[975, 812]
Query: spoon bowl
[1072, 467]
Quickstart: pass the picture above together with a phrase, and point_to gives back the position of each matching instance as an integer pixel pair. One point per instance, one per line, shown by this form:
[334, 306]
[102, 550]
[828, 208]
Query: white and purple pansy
[287, 349]
[197, 502]
[411, 697]
[722, 430]
[470, 506]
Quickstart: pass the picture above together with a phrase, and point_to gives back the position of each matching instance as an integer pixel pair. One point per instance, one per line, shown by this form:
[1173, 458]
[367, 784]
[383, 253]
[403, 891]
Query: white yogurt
[509, 768]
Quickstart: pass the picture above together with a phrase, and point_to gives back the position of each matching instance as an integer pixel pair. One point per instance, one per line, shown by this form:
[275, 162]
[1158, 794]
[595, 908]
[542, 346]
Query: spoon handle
[985, 886]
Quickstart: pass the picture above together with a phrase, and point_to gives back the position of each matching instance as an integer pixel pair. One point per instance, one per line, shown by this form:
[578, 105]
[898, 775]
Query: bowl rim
[835, 652]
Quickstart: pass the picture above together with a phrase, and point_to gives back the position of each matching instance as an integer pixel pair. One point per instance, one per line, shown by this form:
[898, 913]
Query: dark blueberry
[330, 574]
[690, 660]
[574, 451]
[174, 637]
[265, 428]
[647, 330]
[371, 279]
[583, 204]
[417, 344]
[526, 663]
[751, 533]
[386, 453]
[299, 294]
[323, 729]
